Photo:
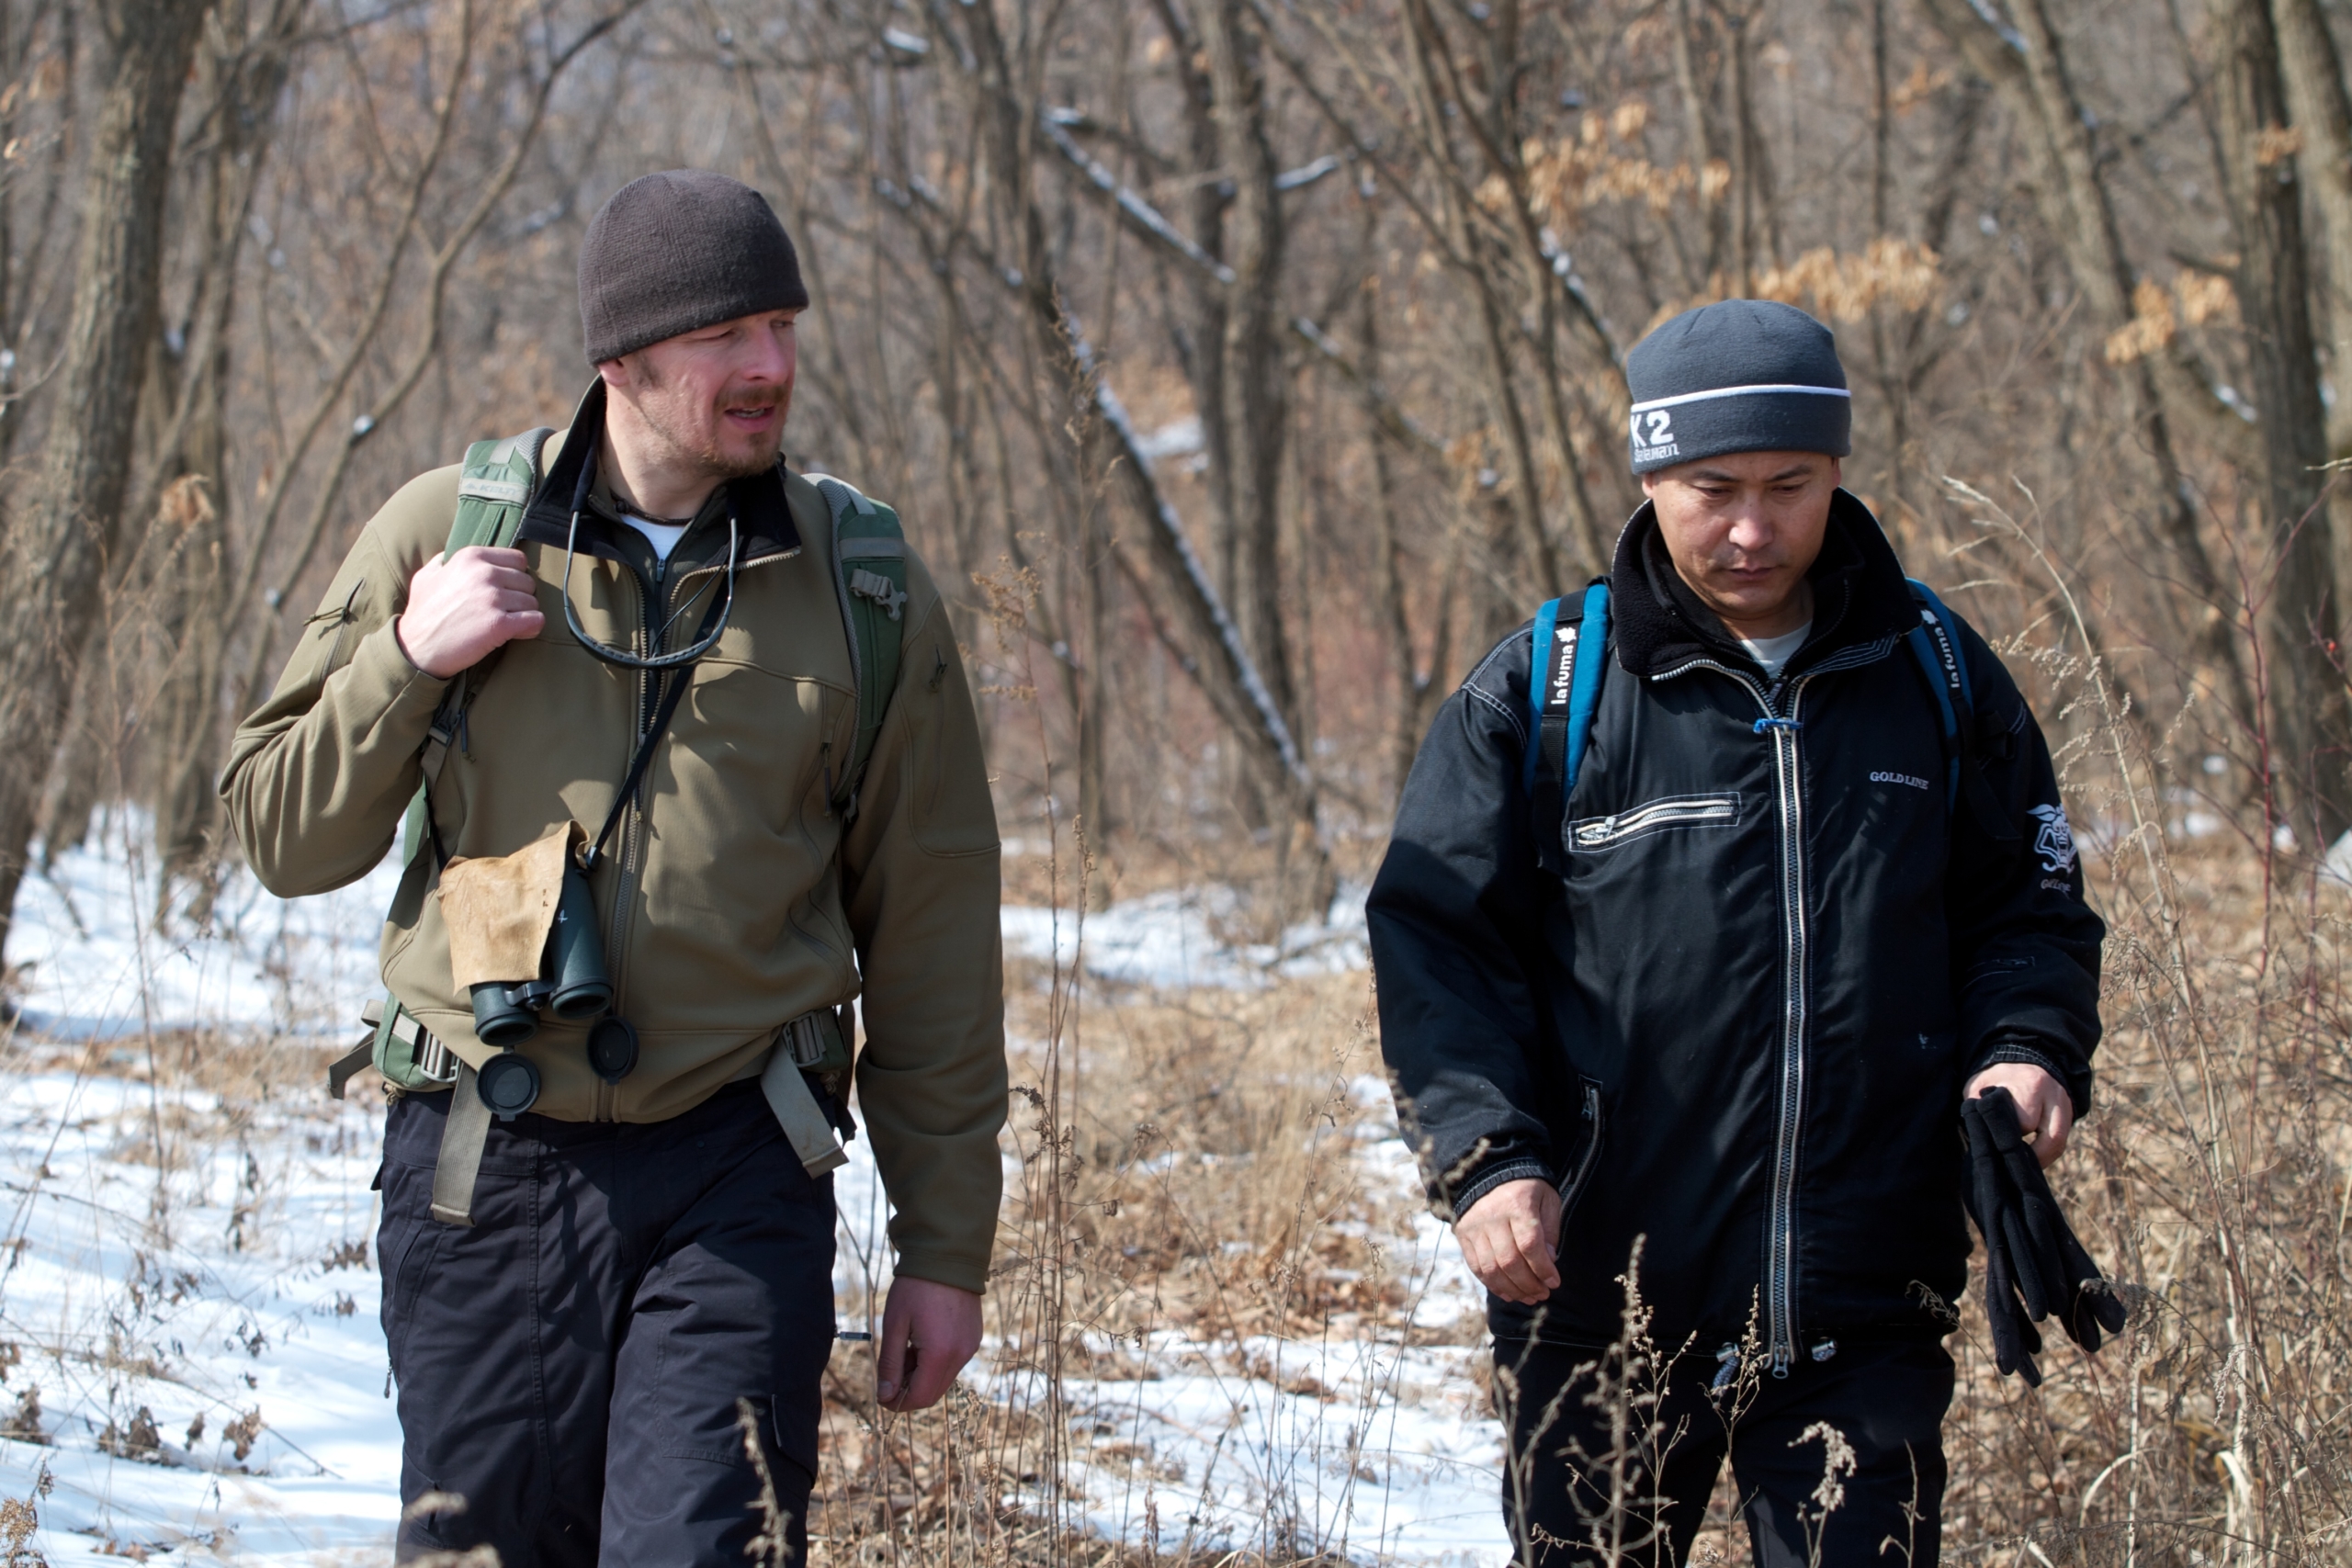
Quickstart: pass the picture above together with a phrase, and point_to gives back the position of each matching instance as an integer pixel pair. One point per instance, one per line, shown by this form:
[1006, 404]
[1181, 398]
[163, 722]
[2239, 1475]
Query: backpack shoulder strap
[870, 580]
[494, 490]
[1566, 660]
[1934, 643]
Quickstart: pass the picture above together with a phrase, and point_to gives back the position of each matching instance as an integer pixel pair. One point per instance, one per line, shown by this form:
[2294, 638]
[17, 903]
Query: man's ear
[616, 374]
[1649, 485]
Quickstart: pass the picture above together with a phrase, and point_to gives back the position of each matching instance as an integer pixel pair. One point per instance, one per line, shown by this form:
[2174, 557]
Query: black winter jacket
[1739, 1026]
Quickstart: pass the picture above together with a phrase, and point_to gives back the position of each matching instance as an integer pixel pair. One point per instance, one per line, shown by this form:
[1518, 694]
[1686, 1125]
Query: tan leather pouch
[497, 909]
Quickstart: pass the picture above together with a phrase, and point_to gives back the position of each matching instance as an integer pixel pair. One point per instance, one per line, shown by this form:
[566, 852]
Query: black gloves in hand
[2029, 1251]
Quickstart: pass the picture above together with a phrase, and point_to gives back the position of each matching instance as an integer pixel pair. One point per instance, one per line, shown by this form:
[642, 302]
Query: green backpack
[870, 580]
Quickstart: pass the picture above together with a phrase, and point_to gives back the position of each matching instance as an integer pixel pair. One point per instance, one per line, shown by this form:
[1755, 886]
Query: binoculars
[572, 986]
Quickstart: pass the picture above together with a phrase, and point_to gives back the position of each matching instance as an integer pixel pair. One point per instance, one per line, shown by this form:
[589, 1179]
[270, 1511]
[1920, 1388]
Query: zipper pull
[1766, 726]
[1727, 1368]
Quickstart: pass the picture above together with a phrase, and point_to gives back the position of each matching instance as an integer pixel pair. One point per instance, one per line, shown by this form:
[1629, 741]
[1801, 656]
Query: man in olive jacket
[646, 1251]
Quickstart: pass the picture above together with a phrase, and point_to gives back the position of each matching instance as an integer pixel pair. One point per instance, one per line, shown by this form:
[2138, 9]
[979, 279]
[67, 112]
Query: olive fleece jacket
[735, 896]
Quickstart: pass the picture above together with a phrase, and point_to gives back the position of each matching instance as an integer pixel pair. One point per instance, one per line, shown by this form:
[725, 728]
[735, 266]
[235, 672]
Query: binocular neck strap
[674, 691]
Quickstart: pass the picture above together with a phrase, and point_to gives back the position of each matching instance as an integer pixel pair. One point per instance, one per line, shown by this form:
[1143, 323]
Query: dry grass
[1188, 1164]
[1183, 1164]
[1188, 1167]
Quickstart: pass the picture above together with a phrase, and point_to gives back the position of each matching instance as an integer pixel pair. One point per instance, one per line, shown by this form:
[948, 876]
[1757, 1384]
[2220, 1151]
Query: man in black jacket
[1707, 1023]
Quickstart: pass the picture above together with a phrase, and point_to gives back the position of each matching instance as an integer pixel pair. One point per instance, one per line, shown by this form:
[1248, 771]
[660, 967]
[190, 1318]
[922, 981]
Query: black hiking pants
[570, 1365]
[1885, 1398]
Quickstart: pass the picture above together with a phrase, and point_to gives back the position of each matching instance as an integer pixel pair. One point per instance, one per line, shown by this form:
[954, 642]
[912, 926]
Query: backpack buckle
[881, 590]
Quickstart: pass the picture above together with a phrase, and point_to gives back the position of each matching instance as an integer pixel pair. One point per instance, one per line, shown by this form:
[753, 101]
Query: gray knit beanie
[1738, 375]
[681, 250]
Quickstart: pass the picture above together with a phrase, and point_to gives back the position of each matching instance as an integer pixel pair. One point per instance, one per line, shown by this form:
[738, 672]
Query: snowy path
[232, 1302]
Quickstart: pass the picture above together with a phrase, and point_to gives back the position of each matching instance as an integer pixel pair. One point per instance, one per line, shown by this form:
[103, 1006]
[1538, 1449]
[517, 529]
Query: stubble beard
[666, 412]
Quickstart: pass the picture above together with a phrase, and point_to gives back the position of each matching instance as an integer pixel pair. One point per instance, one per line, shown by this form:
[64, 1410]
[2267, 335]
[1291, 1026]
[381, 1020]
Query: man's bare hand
[928, 1331]
[1511, 1240]
[2045, 1110]
[460, 608]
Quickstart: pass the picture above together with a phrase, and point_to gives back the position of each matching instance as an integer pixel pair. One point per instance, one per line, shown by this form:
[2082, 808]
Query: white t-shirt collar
[1774, 653]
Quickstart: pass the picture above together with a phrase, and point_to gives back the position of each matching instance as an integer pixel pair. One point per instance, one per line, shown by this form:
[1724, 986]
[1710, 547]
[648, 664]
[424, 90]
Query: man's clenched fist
[460, 608]
[1511, 1240]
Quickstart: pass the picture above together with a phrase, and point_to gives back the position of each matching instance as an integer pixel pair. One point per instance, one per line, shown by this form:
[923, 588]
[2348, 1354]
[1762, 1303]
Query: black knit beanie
[681, 250]
[1738, 375]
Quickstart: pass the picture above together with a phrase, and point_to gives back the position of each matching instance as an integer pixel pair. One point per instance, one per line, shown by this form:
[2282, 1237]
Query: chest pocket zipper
[1656, 816]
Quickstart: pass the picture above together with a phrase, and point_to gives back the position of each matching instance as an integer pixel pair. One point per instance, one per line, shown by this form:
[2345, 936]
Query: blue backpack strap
[1539, 669]
[1584, 693]
[1934, 643]
[1565, 662]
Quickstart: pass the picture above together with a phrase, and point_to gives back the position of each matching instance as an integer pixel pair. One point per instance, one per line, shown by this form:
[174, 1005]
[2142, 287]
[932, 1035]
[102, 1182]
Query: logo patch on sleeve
[2055, 842]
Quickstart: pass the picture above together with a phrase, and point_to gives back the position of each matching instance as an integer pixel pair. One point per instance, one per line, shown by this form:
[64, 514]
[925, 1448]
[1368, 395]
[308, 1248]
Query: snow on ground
[234, 1291]
[1362, 1447]
[93, 966]
[1177, 940]
[229, 1290]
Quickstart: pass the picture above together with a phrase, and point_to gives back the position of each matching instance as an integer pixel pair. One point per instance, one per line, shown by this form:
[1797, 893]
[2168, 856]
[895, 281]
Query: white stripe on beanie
[1761, 387]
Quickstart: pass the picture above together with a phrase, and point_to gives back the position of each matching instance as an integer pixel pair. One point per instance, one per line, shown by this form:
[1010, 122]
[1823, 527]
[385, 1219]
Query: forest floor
[1255, 1340]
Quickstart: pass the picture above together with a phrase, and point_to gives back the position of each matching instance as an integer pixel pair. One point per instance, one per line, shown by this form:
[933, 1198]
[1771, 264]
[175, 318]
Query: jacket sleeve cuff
[383, 684]
[2079, 1084]
[944, 1267]
[1494, 1176]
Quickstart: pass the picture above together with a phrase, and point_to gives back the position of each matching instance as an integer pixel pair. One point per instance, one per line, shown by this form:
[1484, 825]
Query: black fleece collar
[760, 508]
[1658, 624]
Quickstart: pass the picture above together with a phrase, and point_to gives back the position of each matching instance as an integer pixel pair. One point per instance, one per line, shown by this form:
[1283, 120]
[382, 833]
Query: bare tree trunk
[1742, 160]
[2322, 112]
[190, 576]
[2031, 75]
[60, 543]
[1414, 691]
[2299, 628]
[1254, 402]
[1212, 649]
[77, 768]
[1698, 135]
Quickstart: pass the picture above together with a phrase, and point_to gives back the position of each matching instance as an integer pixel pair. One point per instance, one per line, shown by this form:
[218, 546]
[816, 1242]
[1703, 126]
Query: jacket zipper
[624, 889]
[1780, 1220]
[652, 614]
[1593, 835]
[1788, 770]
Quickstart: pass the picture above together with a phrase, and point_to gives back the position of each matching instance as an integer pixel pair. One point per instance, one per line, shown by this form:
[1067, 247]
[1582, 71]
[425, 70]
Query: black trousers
[1884, 1400]
[570, 1366]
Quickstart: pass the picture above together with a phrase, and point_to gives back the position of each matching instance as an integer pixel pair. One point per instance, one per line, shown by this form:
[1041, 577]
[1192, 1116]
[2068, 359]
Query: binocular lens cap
[508, 1084]
[611, 1048]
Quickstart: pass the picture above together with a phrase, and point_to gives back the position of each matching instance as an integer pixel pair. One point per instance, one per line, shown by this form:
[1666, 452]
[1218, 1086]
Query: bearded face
[713, 403]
